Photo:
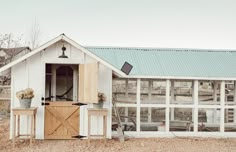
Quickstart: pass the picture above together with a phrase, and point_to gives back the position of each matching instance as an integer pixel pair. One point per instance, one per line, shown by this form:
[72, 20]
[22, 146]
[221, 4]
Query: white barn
[150, 100]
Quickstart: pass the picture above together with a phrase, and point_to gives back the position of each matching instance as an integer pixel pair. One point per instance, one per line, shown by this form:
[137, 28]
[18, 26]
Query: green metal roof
[171, 62]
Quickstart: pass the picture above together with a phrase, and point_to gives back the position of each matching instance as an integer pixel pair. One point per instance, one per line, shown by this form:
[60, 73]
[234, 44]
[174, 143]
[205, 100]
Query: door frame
[43, 68]
[75, 80]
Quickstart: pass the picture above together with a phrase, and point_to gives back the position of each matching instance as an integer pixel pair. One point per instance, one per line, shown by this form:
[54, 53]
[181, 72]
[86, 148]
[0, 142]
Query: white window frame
[195, 106]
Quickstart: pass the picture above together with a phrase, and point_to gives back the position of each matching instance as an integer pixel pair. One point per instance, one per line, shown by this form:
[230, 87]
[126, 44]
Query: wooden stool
[17, 112]
[97, 112]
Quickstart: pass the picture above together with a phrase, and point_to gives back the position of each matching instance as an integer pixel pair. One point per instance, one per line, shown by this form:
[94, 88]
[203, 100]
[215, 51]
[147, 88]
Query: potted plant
[101, 99]
[25, 97]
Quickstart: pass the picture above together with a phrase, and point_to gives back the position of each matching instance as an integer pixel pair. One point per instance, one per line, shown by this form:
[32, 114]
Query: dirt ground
[131, 145]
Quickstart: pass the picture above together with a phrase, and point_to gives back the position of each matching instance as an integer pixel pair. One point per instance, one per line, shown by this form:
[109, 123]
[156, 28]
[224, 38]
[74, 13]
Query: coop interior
[153, 107]
[59, 82]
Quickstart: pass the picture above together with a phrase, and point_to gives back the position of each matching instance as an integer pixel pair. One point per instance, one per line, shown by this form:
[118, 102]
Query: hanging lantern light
[63, 52]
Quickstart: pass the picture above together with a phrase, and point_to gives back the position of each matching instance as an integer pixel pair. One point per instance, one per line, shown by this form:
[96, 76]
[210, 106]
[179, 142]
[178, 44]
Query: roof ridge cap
[161, 49]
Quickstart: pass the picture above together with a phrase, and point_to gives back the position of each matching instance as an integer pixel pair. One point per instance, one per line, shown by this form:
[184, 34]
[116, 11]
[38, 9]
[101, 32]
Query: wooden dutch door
[62, 117]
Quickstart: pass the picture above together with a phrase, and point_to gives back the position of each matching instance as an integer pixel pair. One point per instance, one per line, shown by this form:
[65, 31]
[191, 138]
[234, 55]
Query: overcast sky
[135, 23]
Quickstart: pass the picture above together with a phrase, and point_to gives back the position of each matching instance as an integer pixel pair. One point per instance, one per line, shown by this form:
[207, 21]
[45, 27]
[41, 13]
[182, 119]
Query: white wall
[31, 72]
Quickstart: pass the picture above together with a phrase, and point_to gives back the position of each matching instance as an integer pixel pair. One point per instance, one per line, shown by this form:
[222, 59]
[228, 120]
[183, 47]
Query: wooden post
[32, 129]
[54, 82]
[172, 116]
[18, 125]
[138, 106]
[126, 97]
[167, 106]
[149, 98]
[215, 92]
[195, 100]
[75, 82]
[89, 127]
[222, 104]
[105, 128]
[16, 112]
[14, 130]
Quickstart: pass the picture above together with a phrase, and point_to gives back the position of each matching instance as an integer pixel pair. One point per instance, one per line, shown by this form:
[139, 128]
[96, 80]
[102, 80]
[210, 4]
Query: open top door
[88, 83]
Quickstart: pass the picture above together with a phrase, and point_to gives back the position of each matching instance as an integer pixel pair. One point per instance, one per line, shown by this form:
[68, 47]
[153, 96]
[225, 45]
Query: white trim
[153, 105]
[126, 96]
[26, 64]
[72, 42]
[209, 106]
[109, 128]
[180, 77]
[44, 46]
[215, 91]
[5, 98]
[125, 105]
[149, 134]
[172, 99]
[75, 83]
[195, 100]
[43, 91]
[54, 81]
[230, 107]
[12, 104]
[138, 105]
[61, 61]
[222, 104]
[65, 38]
[149, 98]
[167, 117]
[180, 106]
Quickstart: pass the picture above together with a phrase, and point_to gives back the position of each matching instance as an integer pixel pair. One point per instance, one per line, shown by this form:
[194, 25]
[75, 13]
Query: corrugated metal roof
[171, 62]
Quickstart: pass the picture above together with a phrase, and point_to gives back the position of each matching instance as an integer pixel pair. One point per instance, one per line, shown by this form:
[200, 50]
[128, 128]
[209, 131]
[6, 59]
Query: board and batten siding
[31, 73]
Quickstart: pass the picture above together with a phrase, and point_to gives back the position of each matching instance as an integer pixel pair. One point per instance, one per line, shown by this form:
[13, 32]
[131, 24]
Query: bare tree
[34, 35]
[9, 44]
[10, 41]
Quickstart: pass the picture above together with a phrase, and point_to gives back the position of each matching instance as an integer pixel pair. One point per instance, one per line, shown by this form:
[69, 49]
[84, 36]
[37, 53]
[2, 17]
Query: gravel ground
[131, 145]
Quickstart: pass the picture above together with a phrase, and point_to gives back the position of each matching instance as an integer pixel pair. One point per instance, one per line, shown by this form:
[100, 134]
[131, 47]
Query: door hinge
[79, 104]
[78, 136]
[45, 103]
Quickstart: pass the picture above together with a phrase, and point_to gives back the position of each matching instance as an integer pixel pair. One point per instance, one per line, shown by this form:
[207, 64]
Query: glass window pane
[152, 119]
[124, 90]
[153, 91]
[209, 120]
[209, 92]
[230, 120]
[181, 92]
[181, 119]
[229, 93]
[127, 116]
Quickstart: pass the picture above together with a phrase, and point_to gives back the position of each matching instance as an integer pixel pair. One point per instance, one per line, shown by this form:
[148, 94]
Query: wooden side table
[97, 112]
[17, 112]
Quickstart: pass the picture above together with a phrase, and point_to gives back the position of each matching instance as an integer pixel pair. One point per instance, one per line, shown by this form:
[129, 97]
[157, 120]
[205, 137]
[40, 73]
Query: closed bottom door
[61, 120]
